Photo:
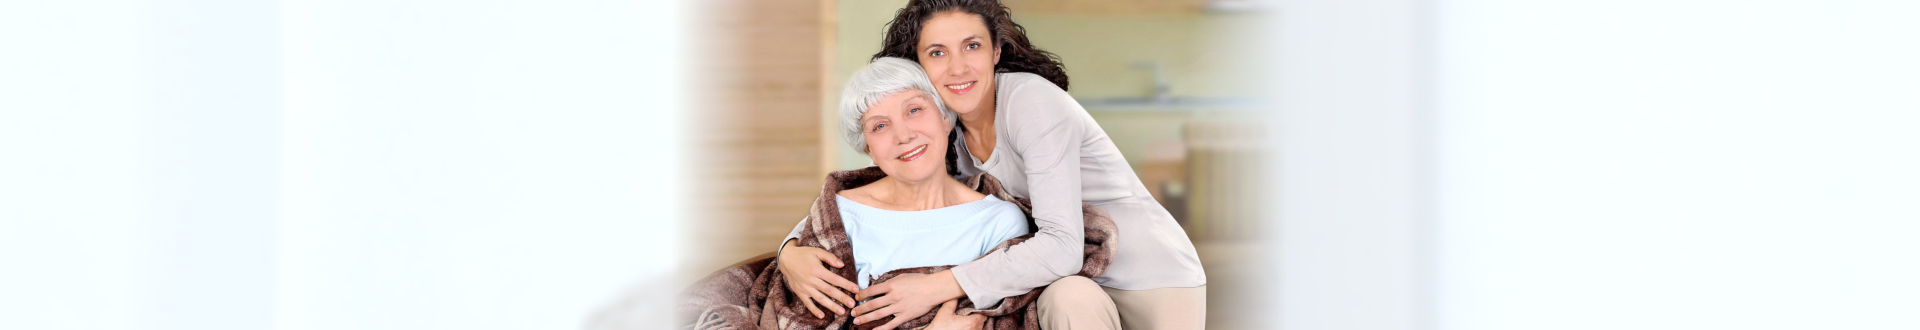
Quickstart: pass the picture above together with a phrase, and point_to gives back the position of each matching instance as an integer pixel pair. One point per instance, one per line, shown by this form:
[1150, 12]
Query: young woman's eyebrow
[970, 37]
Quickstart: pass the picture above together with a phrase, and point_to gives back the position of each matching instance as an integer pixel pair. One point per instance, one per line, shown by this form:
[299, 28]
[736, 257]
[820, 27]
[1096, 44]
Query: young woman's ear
[996, 55]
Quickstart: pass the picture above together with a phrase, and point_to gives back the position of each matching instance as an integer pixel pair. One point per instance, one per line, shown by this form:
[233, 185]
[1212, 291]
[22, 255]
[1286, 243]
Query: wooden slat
[754, 129]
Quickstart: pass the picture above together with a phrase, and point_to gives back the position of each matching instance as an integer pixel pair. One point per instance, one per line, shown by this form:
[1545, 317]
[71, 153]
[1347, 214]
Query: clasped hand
[905, 297]
[909, 296]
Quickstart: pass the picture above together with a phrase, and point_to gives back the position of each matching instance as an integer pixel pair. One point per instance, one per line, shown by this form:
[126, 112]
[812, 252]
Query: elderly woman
[917, 215]
[904, 217]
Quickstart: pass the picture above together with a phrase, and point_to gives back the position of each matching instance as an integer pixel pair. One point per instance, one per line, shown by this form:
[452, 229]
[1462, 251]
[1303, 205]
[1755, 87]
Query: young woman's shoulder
[1035, 107]
[1026, 84]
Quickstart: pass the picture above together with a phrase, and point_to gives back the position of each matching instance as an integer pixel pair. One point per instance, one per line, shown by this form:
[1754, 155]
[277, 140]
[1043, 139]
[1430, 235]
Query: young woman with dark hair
[1018, 123]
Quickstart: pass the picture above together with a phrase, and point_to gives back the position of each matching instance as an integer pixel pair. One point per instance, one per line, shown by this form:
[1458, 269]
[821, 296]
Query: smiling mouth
[911, 155]
[961, 88]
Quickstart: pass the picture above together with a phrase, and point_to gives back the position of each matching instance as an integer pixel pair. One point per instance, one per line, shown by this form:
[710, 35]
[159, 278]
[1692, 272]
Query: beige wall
[1205, 55]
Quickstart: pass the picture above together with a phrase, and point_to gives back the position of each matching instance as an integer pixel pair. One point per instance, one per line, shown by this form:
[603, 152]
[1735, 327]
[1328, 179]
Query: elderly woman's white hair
[884, 77]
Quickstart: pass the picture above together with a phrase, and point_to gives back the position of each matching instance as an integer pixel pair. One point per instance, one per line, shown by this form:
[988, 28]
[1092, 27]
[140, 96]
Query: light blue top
[886, 240]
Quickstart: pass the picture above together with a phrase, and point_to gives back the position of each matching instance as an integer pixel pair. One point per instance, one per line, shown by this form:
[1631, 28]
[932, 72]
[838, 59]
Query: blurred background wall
[1700, 164]
[1596, 165]
[411, 164]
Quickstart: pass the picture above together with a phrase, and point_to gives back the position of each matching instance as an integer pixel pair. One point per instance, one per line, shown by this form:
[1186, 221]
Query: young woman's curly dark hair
[1016, 53]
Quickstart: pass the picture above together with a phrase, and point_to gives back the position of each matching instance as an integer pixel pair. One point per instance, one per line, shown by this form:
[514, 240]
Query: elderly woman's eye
[914, 110]
[877, 127]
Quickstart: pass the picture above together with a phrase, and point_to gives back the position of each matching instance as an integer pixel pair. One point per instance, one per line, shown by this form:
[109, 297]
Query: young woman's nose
[957, 65]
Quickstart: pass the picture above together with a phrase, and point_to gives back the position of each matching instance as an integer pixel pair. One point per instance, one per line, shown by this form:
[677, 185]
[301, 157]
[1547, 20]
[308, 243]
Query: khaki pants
[1076, 303]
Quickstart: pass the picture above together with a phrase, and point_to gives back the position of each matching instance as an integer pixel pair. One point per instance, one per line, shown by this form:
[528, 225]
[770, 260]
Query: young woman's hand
[807, 276]
[945, 319]
[906, 297]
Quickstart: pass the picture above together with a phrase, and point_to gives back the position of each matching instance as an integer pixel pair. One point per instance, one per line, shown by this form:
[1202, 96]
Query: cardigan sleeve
[1045, 128]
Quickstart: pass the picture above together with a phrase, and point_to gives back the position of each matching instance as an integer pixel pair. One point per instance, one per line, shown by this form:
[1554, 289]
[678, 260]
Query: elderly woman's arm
[805, 270]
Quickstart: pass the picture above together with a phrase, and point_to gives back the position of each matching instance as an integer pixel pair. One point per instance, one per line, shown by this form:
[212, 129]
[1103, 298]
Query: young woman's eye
[936, 53]
[973, 46]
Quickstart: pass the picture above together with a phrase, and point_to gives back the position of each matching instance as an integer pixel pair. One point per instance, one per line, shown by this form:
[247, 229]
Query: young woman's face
[906, 136]
[958, 54]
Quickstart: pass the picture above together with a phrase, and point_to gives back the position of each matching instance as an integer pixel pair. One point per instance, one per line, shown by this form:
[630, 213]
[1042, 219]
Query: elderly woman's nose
[902, 136]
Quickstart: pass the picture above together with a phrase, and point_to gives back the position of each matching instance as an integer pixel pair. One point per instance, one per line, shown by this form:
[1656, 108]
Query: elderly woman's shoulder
[1007, 217]
[1001, 206]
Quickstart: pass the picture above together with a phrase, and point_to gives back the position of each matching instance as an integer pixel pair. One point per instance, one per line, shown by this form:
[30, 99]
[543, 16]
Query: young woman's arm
[1045, 131]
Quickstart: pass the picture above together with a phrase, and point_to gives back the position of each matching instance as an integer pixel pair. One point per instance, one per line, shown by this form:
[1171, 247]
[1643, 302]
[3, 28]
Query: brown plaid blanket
[753, 295]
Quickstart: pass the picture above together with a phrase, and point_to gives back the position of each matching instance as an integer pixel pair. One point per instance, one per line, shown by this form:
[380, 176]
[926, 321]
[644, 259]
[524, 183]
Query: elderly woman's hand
[906, 297]
[945, 319]
[807, 276]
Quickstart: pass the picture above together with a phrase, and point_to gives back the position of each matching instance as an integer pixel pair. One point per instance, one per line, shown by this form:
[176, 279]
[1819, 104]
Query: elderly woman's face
[906, 136]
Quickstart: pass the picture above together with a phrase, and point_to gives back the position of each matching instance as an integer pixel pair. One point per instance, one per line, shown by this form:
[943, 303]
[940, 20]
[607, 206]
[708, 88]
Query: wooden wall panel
[755, 141]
